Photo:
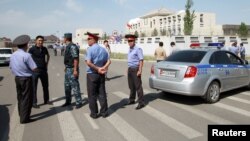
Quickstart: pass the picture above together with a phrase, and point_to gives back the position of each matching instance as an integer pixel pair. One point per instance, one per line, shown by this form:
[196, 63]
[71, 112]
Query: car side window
[233, 59]
[219, 57]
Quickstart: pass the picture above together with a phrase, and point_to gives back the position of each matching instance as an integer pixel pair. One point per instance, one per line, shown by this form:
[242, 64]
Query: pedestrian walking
[160, 53]
[71, 61]
[107, 47]
[62, 49]
[135, 64]
[55, 46]
[97, 60]
[22, 66]
[41, 57]
[242, 51]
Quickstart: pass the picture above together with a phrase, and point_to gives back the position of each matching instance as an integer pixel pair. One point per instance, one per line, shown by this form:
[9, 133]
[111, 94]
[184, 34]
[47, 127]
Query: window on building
[165, 21]
[201, 18]
[160, 21]
[154, 22]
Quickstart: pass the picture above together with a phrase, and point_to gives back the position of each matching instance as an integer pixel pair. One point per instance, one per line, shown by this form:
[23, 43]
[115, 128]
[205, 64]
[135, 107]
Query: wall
[182, 42]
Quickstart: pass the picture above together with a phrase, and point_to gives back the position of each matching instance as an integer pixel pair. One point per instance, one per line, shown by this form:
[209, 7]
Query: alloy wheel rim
[214, 92]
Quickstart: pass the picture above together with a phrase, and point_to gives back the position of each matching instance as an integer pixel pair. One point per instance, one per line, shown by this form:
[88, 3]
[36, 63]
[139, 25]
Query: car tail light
[191, 72]
[152, 70]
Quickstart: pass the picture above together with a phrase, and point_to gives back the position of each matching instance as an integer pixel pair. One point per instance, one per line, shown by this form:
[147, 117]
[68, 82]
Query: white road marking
[167, 120]
[233, 109]
[69, 127]
[239, 100]
[126, 130]
[91, 121]
[245, 93]
[16, 129]
[198, 112]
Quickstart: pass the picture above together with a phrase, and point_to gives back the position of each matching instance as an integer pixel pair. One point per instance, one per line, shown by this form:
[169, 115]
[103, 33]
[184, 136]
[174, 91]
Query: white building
[172, 23]
[80, 37]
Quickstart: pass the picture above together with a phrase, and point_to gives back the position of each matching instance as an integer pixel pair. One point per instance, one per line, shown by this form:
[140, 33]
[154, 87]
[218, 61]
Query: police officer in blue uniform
[97, 60]
[135, 64]
[22, 66]
[71, 61]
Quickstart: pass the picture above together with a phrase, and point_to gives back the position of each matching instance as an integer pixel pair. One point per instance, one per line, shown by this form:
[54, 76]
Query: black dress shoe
[28, 121]
[79, 106]
[130, 102]
[104, 115]
[66, 104]
[140, 106]
[94, 116]
[48, 102]
[35, 106]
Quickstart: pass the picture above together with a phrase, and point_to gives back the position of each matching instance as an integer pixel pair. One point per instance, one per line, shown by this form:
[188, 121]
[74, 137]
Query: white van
[5, 54]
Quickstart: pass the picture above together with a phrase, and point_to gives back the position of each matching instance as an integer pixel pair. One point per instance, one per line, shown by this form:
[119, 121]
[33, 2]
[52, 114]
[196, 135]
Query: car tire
[213, 93]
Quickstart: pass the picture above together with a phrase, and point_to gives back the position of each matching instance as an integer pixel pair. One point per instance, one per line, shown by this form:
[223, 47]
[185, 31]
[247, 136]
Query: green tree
[136, 33]
[189, 18]
[143, 34]
[104, 37]
[243, 30]
[164, 32]
[155, 32]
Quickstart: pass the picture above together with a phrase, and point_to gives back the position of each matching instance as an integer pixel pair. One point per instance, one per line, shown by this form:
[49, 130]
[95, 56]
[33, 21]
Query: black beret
[130, 36]
[93, 35]
[21, 40]
[68, 35]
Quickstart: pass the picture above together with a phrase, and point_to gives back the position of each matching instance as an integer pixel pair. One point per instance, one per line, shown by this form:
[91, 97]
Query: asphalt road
[166, 117]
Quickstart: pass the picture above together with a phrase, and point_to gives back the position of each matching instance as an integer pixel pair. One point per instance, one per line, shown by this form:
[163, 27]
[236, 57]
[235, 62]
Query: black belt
[133, 68]
[23, 76]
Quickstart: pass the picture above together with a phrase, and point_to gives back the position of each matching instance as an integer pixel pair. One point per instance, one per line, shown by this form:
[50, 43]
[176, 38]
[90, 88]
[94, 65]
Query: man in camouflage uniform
[71, 61]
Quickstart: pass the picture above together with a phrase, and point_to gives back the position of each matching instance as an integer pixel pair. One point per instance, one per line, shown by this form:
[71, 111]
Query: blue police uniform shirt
[21, 63]
[97, 55]
[135, 55]
[234, 50]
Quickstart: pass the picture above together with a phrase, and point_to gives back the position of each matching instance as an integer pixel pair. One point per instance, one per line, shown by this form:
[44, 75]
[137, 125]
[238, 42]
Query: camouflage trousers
[71, 84]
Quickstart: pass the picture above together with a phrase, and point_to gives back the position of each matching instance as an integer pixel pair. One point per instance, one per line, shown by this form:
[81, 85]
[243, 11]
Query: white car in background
[5, 54]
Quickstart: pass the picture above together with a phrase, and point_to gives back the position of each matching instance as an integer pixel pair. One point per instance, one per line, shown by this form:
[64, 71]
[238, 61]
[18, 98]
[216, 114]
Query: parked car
[200, 72]
[5, 54]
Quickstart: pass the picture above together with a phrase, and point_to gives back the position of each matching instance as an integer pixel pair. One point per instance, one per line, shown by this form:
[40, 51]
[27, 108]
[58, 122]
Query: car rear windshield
[5, 51]
[188, 56]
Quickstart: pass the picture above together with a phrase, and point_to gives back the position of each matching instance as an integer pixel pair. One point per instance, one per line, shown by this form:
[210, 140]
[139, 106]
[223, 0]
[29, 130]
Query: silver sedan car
[200, 72]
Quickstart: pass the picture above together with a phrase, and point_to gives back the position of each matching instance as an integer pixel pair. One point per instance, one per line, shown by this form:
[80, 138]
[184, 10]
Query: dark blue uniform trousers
[96, 90]
[24, 97]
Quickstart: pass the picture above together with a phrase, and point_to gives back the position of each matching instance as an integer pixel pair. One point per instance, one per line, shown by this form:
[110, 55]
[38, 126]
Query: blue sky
[48, 17]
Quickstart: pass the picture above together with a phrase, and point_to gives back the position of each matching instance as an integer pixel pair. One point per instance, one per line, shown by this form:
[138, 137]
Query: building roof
[158, 12]
[5, 39]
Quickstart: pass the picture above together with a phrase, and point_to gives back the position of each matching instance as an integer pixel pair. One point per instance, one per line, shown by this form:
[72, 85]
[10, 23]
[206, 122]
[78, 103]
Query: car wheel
[213, 93]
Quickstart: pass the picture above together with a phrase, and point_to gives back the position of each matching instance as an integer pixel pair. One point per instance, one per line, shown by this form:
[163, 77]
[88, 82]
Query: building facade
[166, 22]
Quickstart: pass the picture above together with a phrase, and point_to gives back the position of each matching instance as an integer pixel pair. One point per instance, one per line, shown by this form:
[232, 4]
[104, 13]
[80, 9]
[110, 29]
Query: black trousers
[97, 91]
[135, 85]
[24, 97]
[43, 75]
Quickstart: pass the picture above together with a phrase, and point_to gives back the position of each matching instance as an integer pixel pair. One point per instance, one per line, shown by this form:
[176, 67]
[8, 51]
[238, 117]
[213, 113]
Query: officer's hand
[75, 73]
[138, 73]
[101, 70]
